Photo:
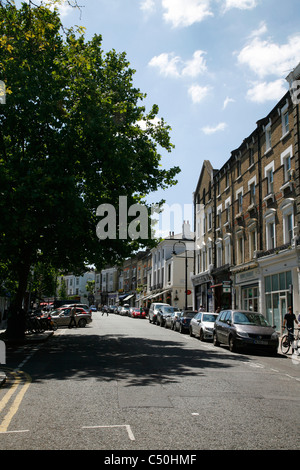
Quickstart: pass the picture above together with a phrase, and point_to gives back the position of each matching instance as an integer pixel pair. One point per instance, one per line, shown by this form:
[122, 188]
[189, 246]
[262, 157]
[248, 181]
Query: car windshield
[209, 317]
[189, 314]
[251, 318]
[167, 309]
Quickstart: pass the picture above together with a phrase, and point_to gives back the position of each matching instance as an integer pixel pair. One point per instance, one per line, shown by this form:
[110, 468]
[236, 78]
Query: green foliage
[69, 141]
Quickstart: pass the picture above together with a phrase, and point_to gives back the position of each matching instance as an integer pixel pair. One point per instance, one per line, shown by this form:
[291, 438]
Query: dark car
[162, 313]
[242, 328]
[182, 323]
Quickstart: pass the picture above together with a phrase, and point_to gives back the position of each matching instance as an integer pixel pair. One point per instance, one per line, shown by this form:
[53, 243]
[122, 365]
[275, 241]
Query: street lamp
[174, 253]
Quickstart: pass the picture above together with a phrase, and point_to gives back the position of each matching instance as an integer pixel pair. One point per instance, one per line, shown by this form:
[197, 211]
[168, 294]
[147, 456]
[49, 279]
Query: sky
[213, 67]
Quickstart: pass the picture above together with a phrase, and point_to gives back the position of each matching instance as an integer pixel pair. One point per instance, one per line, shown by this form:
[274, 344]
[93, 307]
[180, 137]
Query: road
[124, 384]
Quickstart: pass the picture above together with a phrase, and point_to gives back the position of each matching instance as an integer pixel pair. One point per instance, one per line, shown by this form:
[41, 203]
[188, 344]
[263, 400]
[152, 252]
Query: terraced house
[247, 220]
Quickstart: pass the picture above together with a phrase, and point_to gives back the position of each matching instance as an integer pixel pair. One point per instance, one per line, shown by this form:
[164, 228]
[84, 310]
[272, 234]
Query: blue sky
[214, 67]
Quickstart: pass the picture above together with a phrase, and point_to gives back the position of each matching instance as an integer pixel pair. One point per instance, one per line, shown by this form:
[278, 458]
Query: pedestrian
[218, 310]
[288, 321]
[201, 309]
[72, 317]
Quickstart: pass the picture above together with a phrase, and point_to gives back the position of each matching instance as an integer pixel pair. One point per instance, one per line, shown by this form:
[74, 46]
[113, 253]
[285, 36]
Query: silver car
[202, 325]
[242, 328]
[61, 317]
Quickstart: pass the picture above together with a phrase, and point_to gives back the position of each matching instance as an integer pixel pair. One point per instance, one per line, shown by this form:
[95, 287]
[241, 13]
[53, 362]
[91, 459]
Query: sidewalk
[28, 339]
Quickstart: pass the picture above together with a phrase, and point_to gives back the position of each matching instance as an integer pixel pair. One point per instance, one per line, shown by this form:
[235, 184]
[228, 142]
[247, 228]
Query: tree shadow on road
[141, 361]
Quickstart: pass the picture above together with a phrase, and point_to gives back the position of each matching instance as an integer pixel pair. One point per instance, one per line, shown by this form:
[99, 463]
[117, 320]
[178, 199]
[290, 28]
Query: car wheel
[232, 345]
[82, 323]
[201, 335]
[191, 331]
[215, 339]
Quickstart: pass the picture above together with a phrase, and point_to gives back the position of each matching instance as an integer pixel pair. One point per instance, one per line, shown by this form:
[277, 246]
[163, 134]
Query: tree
[69, 141]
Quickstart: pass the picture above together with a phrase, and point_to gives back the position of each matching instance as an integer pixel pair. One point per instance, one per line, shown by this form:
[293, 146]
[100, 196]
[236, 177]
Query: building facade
[247, 221]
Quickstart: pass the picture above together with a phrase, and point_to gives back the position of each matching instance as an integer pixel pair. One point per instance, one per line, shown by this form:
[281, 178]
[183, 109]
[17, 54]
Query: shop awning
[128, 297]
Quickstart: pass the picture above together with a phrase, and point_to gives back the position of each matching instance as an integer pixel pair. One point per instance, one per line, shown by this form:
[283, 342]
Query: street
[124, 384]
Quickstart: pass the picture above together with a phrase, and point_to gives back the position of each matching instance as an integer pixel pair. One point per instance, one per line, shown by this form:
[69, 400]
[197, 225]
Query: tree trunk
[16, 315]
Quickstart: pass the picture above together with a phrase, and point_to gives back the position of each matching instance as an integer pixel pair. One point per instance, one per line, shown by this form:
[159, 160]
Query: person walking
[288, 322]
[72, 317]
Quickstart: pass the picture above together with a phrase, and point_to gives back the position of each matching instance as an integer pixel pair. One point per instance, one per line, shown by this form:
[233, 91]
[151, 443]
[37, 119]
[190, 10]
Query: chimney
[186, 230]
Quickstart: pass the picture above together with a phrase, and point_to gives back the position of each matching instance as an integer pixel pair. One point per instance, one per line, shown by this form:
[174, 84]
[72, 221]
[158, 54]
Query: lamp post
[174, 252]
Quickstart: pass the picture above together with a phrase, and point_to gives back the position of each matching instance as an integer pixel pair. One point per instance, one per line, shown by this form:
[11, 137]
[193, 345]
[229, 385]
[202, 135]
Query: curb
[35, 338]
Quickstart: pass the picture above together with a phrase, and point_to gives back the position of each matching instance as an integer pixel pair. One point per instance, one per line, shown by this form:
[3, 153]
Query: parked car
[125, 310]
[153, 310]
[182, 323]
[84, 306]
[61, 317]
[170, 320]
[202, 325]
[242, 328]
[112, 309]
[136, 313]
[162, 313]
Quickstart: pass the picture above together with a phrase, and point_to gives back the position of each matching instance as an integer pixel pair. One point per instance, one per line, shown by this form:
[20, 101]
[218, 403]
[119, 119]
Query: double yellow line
[20, 383]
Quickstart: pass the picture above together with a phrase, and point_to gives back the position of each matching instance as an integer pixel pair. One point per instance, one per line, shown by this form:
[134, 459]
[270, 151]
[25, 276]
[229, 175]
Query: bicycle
[288, 340]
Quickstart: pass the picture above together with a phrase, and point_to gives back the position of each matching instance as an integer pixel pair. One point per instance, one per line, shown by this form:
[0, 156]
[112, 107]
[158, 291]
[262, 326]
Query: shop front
[280, 286]
[246, 286]
[203, 294]
[222, 288]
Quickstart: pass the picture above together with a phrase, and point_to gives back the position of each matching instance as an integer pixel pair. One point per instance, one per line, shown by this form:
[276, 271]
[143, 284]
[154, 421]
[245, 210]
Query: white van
[153, 311]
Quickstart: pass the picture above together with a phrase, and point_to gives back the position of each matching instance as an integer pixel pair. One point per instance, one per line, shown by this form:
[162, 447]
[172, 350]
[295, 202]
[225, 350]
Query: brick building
[247, 221]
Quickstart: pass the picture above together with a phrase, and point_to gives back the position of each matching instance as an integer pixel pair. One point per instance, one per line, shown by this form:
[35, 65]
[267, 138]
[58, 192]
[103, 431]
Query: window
[269, 175]
[227, 210]
[209, 219]
[270, 181]
[238, 169]
[219, 216]
[227, 250]
[239, 197]
[240, 248]
[204, 259]
[285, 120]
[286, 162]
[251, 187]
[268, 137]
[270, 229]
[287, 208]
[252, 241]
[251, 156]
[250, 299]
[227, 179]
[219, 253]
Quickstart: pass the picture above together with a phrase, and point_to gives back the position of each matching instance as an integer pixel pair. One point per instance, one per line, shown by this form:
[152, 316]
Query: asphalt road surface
[123, 384]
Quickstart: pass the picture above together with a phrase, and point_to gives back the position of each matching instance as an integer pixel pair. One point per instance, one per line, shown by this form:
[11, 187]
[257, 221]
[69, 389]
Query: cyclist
[289, 319]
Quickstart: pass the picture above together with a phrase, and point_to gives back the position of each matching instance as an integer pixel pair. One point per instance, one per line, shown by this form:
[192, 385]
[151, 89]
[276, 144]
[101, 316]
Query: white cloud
[182, 13]
[241, 4]
[227, 101]
[265, 57]
[148, 6]
[196, 66]
[198, 93]
[208, 130]
[170, 65]
[272, 91]
[262, 29]
[167, 64]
